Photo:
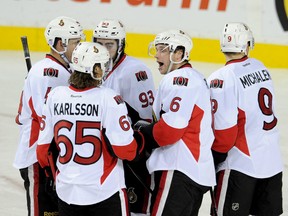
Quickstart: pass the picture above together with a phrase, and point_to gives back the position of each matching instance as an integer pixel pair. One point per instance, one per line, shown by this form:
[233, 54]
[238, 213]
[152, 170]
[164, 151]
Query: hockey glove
[139, 124]
[150, 142]
[50, 188]
[138, 136]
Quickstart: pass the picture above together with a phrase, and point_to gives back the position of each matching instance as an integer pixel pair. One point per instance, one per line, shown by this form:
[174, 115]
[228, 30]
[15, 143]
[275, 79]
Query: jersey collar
[72, 87]
[187, 65]
[117, 64]
[49, 56]
[244, 58]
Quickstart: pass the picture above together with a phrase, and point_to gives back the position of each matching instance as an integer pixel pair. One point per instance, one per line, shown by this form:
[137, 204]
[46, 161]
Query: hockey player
[246, 146]
[134, 82]
[90, 126]
[62, 35]
[181, 139]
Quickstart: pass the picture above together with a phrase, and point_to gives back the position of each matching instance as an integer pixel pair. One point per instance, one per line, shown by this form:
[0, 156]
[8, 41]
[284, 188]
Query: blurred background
[203, 20]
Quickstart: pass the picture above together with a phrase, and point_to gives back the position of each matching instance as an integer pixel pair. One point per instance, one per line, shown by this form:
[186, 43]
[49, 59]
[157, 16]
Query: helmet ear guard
[236, 37]
[64, 28]
[87, 55]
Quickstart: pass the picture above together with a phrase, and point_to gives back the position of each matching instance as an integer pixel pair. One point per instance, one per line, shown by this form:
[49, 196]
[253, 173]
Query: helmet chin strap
[169, 68]
[119, 53]
[62, 55]
[173, 62]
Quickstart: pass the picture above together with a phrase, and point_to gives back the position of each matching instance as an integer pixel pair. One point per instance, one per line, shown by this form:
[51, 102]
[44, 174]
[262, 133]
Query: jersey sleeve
[178, 102]
[46, 132]
[118, 131]
[224, 107]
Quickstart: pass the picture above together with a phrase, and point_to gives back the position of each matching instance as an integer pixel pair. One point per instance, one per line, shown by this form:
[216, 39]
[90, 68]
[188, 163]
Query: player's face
[163, 57]
[111, 46]
[72, 43]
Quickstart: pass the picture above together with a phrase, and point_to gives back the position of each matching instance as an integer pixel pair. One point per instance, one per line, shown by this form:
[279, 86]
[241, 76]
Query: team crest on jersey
[51, 72]
[141, 76]
[118, 99]
[181, 81]
[132, 197]
[235, 206]
[216, 83]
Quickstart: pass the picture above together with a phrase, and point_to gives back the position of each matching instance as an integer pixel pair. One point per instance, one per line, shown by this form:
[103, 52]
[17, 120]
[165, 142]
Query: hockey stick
[52, 164]
[139, 179]
[24, 42]
[213, 203]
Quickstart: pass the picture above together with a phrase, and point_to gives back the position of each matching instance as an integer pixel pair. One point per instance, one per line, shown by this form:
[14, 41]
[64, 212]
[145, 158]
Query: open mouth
[160, 64]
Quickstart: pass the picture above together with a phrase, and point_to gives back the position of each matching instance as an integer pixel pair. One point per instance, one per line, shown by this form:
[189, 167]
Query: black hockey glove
[50, 187]
[138, 136]
[147, 131]
[139, 124]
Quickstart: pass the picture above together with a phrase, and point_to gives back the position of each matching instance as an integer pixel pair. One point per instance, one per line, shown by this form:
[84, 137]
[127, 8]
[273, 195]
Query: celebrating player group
[97, 138]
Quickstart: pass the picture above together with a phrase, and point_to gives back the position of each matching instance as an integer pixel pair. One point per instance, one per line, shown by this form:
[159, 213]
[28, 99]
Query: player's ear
[179, 54]
[59, 45]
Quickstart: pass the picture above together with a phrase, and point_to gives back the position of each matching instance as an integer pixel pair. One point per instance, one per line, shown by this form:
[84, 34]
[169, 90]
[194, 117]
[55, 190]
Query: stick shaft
[24, 42]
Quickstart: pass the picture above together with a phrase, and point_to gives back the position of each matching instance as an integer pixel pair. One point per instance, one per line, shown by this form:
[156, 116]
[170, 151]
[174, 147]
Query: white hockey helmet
[87, 54]
[173, 39]
[111, 29]
[236, 37]
[64, 28]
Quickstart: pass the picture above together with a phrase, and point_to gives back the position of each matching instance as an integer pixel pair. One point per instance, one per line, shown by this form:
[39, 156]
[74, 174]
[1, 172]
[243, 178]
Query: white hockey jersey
[134, 82]
[243, 103]
[184, 128]
[43, 76]
[87, 171]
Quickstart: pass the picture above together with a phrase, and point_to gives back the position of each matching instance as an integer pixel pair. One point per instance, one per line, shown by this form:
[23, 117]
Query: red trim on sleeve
[234, 136]
[35, 124]
[225, 139]
[127, 152]
[109, 162]
[241, 142]
[165, 134]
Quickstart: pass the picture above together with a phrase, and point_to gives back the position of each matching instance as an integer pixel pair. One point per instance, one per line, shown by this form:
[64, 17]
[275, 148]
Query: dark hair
[182, 48]
[82, 80]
